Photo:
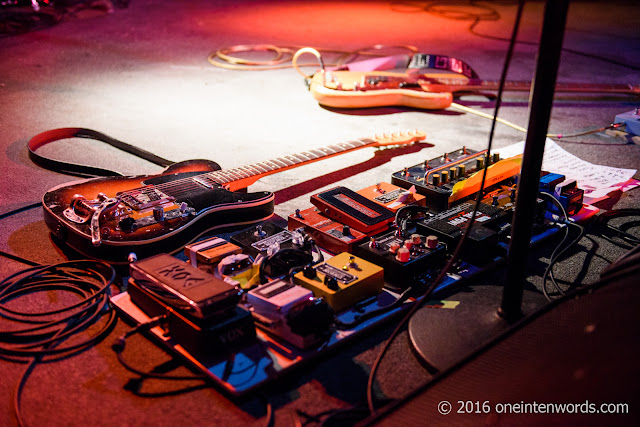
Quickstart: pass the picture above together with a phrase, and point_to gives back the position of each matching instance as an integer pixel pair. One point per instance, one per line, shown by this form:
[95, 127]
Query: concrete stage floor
[140, 73]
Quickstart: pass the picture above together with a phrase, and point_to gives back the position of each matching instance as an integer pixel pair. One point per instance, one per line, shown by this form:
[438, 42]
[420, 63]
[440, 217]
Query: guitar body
[108, 218]
[430, 91]
[341, 92]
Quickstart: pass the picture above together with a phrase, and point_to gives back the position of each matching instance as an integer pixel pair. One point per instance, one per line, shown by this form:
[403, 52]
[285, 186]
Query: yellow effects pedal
[342, 280]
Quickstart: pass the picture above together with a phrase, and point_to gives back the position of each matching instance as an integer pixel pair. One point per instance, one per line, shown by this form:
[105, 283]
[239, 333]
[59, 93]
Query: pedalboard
[391, 196]
[405, 260]
[350, 208]
[342, 280]
[263, 239]
[290, 312]
[331, 235]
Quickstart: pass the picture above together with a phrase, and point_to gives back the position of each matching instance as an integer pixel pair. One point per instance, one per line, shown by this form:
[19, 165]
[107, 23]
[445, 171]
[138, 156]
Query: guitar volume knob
[126, 224]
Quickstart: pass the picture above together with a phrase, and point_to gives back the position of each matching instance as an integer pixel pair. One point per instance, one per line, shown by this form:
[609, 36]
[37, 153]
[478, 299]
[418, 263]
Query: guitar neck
[524, 86]
[241, 177]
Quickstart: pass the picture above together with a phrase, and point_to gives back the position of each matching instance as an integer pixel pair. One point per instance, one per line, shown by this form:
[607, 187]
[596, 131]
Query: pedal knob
[352, 262]
[416, 239]
[432, 242]
[494, 201]
[346, 230]
[331, 283]
[403, 255]
[373, 243]
[445, 176]
[309, 272]
[452, 173]
[126, 224]
[435, 180]
[260, 232]
[461, 170]
[408, 244]
[393, 247]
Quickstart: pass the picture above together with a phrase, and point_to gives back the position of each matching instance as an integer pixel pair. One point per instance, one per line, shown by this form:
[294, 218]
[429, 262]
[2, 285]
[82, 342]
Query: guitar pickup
[145, 197]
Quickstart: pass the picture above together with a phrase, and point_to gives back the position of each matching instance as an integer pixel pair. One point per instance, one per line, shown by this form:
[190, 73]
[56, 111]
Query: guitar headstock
[398, 138]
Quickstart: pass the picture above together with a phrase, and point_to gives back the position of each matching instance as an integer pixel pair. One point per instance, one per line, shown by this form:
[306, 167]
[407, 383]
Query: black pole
[541, 100]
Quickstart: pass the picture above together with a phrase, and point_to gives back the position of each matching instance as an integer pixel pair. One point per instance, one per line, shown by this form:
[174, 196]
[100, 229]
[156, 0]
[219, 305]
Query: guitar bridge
[145, 197]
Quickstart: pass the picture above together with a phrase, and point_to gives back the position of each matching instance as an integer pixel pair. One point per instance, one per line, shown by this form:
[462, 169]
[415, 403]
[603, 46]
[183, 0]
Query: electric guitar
[359, 89]
[108, 218]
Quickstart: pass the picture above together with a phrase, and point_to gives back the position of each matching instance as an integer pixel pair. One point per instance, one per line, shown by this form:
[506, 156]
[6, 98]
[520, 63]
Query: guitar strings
[225, 176]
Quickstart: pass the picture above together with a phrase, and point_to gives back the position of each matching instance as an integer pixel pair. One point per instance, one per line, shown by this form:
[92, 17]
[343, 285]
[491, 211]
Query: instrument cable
[53, 334]
[418, 303]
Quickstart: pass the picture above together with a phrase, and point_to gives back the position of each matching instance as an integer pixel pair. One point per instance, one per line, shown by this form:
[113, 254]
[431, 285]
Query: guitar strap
[83, 170]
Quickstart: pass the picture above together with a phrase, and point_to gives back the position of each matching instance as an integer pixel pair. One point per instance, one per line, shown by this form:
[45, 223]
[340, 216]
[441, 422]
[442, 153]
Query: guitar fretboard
[257, 170]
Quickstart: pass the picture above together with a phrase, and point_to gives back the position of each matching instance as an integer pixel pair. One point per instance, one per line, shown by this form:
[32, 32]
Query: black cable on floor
[457, 251]
[53, 334]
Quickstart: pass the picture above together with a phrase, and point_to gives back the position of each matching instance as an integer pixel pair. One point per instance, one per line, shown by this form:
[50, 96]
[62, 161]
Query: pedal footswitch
[343, 280]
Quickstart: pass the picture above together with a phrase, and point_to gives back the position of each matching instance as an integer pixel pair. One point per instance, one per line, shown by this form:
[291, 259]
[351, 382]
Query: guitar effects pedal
[205, 254]
[342, 280]
[184, 287]
[405, 259]
[290, 312]
[482, 240]
[263, 239]
[352, 209]
[202, 311]
[391, 196]
[328, 234]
